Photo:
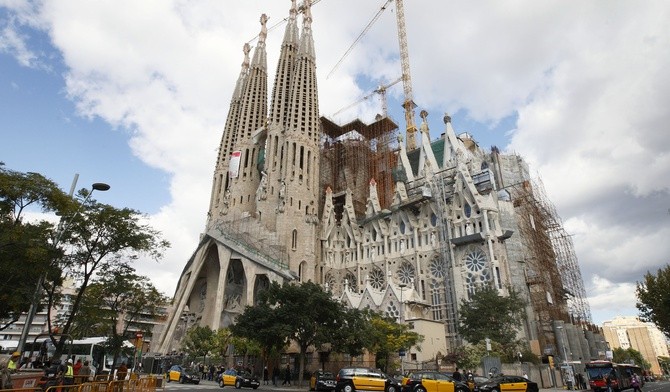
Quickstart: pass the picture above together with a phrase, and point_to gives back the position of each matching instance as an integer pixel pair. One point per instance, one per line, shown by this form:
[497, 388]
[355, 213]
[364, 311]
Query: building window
[294, 239]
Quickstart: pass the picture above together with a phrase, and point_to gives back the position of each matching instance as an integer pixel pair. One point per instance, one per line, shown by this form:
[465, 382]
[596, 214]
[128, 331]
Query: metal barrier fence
[100, 384]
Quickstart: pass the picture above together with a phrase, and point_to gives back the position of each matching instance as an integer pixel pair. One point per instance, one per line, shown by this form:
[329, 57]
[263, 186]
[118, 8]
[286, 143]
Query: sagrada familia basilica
[387, 220]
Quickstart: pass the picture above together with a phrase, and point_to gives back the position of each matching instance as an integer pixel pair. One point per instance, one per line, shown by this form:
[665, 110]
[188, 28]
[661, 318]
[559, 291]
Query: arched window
[294, 239]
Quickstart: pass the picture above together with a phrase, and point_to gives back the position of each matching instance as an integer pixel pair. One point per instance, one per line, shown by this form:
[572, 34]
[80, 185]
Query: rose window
[438, 268]
[406, 273]
[377, 279]
[475, 261]
[351, 281]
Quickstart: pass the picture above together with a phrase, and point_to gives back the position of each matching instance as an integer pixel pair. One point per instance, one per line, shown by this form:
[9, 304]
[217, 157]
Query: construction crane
[408, 104]
[381, 90]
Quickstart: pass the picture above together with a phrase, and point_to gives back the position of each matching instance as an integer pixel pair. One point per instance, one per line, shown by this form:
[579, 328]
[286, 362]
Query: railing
[135, 384]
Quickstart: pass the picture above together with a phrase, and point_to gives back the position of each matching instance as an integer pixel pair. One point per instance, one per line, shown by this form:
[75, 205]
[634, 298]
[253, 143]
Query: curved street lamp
[98, 186]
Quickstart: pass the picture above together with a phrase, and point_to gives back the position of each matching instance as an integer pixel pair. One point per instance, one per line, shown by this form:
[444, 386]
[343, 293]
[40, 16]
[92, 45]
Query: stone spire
[252, 117]
[289, 49]
[220, 182]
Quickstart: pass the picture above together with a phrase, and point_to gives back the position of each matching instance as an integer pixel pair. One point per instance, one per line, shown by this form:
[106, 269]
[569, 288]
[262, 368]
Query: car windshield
[326, 375]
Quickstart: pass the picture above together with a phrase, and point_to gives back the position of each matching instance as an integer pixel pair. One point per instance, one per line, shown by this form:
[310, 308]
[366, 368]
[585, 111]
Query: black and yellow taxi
[238, 379]
[508, 384]
[431, 381]
[354, 378]
[183, 375]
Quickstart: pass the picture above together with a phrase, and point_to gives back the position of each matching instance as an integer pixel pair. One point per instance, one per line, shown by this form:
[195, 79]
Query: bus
[95, 352]
[621, 374]
[41, 350]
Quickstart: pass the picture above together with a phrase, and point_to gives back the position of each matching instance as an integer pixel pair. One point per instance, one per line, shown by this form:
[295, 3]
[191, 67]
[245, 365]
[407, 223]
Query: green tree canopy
[490, 315]
[27, 251]
[199, 342]
[653, 299]
[116, 300]
[100, 236]
[630, 355]
[388, 337]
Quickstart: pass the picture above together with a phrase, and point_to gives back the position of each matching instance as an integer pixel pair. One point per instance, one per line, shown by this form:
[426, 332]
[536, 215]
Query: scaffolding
[355, 153]
[552, 272]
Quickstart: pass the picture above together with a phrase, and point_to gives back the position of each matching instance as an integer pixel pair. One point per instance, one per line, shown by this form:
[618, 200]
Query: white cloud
[588, 81]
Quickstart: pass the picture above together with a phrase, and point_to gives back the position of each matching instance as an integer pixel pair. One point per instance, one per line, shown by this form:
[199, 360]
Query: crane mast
[408, 104]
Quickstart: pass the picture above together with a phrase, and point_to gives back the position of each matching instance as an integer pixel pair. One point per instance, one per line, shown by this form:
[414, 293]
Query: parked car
[322, 381]
[509, 384]
[183, 375]
[238, 379]
[351, 379]
[431, 381]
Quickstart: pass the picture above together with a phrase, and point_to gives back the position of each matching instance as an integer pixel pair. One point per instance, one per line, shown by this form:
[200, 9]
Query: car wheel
[495, 390]
[182, 380]
[255, 387]
[221, 383]
[348, 388]
[168, 379]
[238, 384]
[420, 389]
[392, 388]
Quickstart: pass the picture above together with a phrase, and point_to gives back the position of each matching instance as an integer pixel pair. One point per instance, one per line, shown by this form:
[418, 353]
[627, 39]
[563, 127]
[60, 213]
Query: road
[659, 386]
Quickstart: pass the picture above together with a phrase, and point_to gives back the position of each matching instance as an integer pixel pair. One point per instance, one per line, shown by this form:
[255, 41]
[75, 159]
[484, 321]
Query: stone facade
[412, 234]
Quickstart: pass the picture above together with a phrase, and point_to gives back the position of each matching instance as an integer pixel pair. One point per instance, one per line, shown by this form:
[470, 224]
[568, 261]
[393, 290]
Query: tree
[629, 355]
[99, 236]
[220, 342]
[490, 315]
[199, 342]
[26, 250]
[259, 323]
[653, 299]
[116, 300]
[355, 334]
[388, 338]
[302, 313]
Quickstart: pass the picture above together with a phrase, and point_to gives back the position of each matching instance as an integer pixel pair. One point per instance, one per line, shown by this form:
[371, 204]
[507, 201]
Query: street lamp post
[30, 315]
[565, 341]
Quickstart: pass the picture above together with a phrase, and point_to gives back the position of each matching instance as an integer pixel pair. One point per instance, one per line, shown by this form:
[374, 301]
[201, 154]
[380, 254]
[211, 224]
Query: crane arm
[408, 104]
[365, 30]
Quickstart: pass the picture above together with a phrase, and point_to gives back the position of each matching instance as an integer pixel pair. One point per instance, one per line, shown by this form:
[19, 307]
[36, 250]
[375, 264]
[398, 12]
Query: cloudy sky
[135, 94]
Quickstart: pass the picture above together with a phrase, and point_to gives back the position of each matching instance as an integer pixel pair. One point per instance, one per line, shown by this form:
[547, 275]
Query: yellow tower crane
[408, 104]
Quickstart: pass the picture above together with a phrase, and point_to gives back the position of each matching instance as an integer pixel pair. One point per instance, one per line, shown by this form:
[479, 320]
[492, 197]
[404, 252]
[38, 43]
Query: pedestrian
[608, 381]
[5, 376]
[635, 383]
[77, 368]
[275, 375]
[212, 370]
[13, 363]
[456, 375]
[122, 372]
[265, 375]
[287, 375]
[85, 372]
[67, 372]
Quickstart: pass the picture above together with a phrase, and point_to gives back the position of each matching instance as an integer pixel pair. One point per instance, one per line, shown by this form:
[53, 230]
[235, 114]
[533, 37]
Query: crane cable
[365, 30]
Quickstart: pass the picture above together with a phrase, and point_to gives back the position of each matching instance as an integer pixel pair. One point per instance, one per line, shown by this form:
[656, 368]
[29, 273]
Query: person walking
[456, 375]
[287, 375]
[275, 375]
[265, 375]
[635, 383]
